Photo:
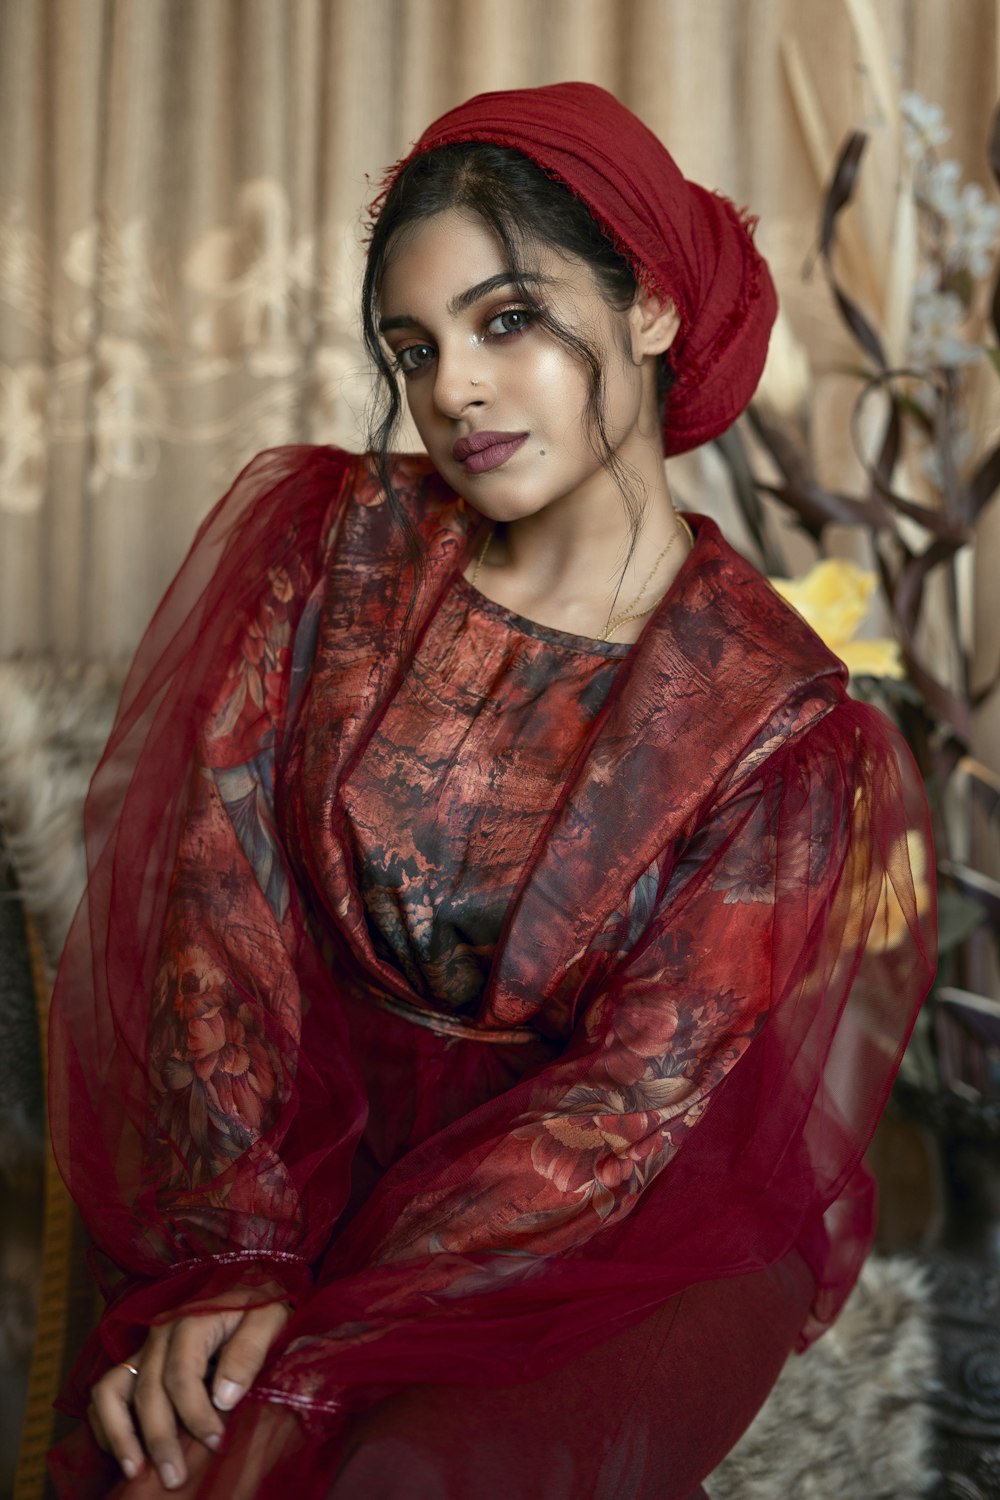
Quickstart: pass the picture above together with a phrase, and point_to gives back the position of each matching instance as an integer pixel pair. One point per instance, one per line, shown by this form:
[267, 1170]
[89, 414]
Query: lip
[482, 451]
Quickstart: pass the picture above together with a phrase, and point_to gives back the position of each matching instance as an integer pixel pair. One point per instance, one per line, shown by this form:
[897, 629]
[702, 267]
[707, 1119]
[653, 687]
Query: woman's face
[499, 402]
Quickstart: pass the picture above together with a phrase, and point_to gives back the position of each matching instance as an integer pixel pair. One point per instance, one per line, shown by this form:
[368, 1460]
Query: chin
[502, 509]
[504, 498]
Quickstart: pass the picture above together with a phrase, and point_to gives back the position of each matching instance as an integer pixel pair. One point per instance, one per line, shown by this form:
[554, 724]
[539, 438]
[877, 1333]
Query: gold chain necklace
[628, 614]
[480, 555]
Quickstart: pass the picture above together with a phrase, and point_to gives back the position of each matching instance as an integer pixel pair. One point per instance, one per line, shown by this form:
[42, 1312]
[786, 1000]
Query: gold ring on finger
[124, 1364]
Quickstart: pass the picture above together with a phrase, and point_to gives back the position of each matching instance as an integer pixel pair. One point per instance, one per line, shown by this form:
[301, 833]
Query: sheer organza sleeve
[176, 1073]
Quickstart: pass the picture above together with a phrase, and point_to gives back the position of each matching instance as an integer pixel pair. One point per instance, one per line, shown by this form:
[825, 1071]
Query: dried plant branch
[922, 499]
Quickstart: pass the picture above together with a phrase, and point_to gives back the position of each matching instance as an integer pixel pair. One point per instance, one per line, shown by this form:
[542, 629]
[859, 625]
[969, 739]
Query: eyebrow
[464, 300]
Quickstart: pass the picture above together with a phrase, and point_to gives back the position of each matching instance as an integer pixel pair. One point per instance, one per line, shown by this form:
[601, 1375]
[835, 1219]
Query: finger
[155, 1412]
[112, 1422]
[245, 1351]
[97, 1428]
[194, 1341]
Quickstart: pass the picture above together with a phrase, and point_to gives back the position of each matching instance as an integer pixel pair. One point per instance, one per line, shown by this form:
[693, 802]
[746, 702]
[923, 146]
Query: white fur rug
[54, 721]
[850, 1418]
[53, 724]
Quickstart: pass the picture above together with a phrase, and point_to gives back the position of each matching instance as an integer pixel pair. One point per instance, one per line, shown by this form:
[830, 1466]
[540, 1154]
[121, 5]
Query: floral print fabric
[452, 791]
[659, 1011]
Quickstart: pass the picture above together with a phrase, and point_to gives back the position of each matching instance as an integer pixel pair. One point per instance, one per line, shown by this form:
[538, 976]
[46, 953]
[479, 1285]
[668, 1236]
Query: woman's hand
[171, 1388]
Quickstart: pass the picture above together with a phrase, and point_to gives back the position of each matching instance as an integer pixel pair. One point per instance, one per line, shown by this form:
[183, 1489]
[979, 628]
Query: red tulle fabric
[681, 239]
[602, 1201]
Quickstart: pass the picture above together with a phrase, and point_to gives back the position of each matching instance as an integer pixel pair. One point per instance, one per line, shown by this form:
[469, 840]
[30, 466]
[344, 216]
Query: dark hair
[525, 208]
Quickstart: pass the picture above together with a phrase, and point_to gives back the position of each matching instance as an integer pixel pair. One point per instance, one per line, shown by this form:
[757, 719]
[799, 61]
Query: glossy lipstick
[482, 451]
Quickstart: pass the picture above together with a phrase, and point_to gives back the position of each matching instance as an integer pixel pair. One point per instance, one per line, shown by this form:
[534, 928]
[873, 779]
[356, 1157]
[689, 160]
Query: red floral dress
[479, 988]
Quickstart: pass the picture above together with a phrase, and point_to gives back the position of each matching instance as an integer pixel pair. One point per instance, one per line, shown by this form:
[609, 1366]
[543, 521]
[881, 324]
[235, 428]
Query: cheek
[419, 398]
[558, 390]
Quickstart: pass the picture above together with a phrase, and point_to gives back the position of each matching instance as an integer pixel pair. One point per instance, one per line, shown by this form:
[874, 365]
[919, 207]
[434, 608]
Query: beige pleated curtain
[181, 193]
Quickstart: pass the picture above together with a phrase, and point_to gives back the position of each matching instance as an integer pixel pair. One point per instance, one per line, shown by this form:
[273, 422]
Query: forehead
[434, 260]
[448, 243]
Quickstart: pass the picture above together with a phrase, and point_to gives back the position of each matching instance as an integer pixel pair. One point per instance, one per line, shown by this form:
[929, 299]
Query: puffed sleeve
[176, 1074]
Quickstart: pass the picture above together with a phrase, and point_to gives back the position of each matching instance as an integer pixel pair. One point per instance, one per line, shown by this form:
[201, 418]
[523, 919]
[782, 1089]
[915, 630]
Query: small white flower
[975, 228]
[923, 126]
[962, 452]
[924, 118]
[937, 187]
[935, 329]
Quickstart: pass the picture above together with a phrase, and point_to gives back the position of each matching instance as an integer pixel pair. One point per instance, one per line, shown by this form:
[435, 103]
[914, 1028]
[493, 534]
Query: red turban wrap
[684, 241]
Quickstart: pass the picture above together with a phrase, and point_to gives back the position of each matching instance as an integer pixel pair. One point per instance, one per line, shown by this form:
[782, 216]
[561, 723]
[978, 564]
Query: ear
[653, 323]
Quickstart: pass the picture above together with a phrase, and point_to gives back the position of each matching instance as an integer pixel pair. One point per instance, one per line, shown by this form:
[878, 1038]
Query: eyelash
[520, 310]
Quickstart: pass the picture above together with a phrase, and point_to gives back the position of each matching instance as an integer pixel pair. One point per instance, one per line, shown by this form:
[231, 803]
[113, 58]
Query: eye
[413, 357]
[511, 320]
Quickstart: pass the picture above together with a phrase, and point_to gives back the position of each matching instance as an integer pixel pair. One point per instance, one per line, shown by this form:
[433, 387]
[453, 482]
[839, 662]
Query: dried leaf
[855, 253]
[888, 455]
[909, 588]
[938, 523]
[838, 196]
[814, 506]
[841, 189]
[858, 324]
[875, 57]
[734, 453]
[943, 705]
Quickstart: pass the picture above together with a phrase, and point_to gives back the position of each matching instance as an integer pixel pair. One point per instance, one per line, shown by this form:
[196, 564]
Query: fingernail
[226, 1394]
[129, 1468]
[213, 1440]
[169, 1476]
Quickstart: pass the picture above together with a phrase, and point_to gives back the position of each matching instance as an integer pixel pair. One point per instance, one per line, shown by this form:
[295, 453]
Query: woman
[502, 931]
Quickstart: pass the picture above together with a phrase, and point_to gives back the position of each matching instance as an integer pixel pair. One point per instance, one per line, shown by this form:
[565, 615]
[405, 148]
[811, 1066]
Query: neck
[574, 565]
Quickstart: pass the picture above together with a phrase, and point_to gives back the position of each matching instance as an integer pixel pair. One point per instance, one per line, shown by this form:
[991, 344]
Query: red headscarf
[689, 243]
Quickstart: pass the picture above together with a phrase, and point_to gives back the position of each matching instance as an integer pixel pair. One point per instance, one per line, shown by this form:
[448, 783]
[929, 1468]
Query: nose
[461, 383]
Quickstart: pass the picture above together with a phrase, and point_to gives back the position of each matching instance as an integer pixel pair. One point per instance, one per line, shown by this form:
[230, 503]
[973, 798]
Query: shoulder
[726, 665]
[770, 653]
[309, 487]
[744, 622]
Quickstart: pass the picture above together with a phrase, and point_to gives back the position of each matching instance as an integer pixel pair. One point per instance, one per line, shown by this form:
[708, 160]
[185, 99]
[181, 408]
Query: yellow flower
[833, 597]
